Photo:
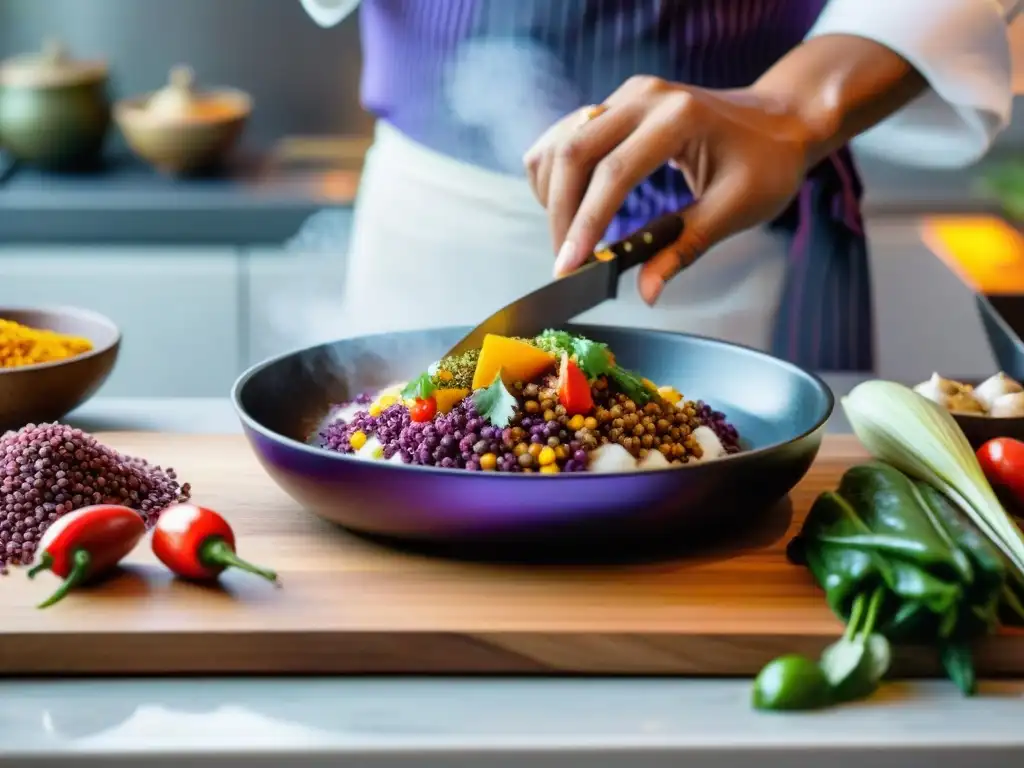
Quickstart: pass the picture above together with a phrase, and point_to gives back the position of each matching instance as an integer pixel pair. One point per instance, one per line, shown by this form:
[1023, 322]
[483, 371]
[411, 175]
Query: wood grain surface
[353, 607]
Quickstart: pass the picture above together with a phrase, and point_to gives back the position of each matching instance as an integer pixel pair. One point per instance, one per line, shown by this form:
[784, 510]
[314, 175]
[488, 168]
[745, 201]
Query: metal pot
[54, 111]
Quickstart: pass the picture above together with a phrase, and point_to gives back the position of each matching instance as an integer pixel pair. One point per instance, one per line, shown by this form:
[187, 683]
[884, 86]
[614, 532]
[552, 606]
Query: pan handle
[644, 244]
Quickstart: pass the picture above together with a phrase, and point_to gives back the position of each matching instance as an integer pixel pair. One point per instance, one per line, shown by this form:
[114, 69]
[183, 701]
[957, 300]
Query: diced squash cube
[447, 399]
[518, 360]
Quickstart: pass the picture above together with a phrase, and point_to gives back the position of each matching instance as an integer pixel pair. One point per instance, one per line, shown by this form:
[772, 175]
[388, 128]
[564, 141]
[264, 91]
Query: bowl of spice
[51, 361]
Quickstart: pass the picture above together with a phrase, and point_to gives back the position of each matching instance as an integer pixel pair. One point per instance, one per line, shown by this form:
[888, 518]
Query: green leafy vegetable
[419, 388]
[495, 403]
[901, 427]
[855, 664]
[850, 669]
[959, 665]
[592, 357]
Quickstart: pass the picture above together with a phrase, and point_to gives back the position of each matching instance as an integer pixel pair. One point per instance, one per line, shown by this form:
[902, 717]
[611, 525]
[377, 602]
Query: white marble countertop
[461, 722]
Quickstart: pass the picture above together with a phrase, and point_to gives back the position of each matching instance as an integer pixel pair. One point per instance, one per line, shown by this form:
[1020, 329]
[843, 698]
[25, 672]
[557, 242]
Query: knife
[591, 284]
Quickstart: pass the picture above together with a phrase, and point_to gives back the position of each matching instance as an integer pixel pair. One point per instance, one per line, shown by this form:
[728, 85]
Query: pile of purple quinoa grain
[49, 470]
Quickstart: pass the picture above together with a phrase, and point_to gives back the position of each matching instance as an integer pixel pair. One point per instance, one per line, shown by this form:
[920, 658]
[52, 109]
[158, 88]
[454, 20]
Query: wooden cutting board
[349, 606]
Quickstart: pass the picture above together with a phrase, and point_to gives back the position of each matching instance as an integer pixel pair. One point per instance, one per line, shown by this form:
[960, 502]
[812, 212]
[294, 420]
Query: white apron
[438, 242]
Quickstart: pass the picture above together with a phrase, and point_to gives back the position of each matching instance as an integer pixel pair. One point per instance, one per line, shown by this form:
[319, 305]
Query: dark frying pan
[779, 410]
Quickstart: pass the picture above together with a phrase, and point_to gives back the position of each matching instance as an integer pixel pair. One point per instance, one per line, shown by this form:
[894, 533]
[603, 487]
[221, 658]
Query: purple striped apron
[589, 47]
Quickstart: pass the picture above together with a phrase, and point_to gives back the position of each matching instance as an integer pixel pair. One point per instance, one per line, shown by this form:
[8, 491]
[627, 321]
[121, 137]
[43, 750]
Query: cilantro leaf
[592, 357]
[495, 403]
[419, 388]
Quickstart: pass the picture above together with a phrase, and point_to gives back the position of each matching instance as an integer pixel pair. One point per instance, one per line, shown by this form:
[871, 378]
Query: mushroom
[938, 389]
[965, 402]
[1008, 406]
[994, 387]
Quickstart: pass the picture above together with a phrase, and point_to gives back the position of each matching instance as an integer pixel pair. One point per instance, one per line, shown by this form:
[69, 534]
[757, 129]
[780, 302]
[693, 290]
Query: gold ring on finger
[589, 113]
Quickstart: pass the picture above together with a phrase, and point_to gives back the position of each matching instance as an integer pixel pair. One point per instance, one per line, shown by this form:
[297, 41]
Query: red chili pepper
[1002, 461]
[198, 544]
[573, 388]
[85, 544]
[423, 409]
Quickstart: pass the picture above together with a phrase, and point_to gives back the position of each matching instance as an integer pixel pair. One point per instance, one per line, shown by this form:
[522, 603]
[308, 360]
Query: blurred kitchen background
[201, 274]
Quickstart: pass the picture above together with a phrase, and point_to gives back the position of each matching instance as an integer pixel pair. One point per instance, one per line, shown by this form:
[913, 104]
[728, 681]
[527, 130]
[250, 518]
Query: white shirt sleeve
[962, 49]
[329, 13]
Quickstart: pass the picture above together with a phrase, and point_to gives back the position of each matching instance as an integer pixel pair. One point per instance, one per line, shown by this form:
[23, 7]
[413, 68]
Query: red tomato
[1002, 461]
[573, 388]
[423, 409]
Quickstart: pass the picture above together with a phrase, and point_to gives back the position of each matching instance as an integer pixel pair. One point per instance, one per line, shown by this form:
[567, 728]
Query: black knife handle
[643, 244]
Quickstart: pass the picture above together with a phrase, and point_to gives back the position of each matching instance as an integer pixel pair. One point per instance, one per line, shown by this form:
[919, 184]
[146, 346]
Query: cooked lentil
[49, 470]
[539, 435]
[21, 345]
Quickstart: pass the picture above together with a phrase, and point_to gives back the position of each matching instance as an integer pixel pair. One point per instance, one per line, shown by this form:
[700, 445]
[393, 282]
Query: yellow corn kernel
[546, 456]
[576, 422]
[590, 422]
[387, 401]
[357, 440]
[374, 409]
[443, 375]
[549, 469]
[488, 462]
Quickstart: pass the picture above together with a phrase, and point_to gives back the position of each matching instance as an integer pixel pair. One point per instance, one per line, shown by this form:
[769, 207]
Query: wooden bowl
[180, 130]
[49, 391]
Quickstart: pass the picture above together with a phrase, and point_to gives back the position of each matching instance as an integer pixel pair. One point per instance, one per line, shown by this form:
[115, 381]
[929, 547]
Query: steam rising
[513, 90]
[510, 90]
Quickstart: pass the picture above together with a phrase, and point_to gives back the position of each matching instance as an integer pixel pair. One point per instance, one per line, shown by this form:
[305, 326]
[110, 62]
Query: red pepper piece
[85, 544]
[423, 409]
[1002, 461]
[198, 544]
[573, 388]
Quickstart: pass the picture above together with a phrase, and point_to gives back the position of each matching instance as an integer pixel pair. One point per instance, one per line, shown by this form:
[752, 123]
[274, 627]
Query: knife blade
[591, 284]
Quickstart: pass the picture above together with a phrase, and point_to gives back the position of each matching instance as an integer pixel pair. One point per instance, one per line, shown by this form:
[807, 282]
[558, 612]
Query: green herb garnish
[419, 388]
[460, 368]
[592, 357]
[631, 385]
[495, 403]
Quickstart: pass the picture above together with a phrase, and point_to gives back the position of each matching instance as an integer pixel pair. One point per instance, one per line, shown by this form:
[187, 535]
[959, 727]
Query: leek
[921, 438]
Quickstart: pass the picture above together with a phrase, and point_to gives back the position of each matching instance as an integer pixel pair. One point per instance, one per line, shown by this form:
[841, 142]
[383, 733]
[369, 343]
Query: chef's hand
[744, 152]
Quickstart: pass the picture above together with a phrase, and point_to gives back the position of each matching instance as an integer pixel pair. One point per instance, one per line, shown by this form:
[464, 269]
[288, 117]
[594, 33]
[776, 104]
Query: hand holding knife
[554, 304]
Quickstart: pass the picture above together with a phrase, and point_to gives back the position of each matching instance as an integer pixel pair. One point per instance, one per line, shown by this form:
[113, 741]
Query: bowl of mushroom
[993, 408]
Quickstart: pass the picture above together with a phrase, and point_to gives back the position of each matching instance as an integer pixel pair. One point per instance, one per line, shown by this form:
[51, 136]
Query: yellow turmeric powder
[21, 345]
